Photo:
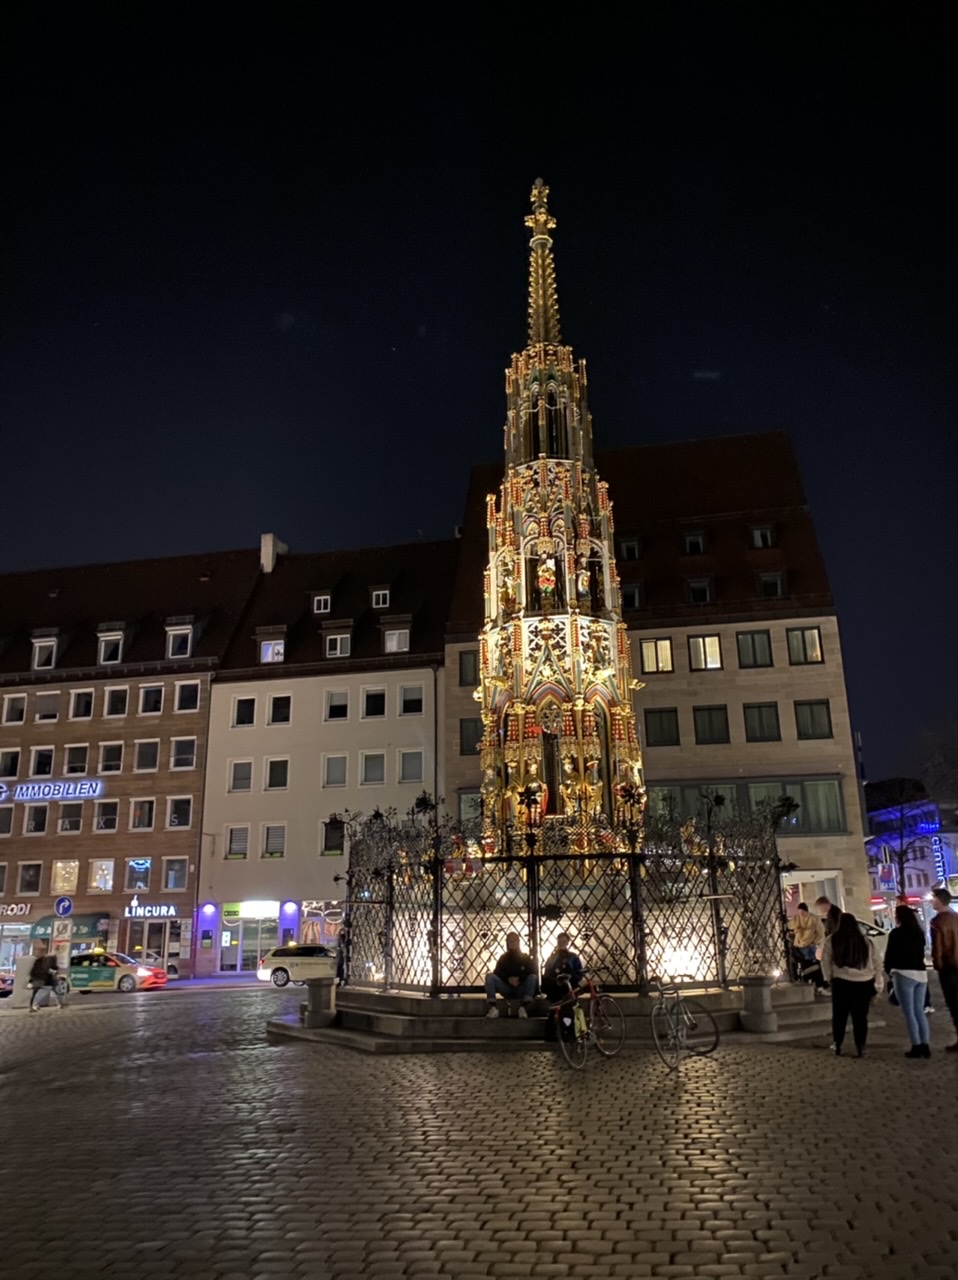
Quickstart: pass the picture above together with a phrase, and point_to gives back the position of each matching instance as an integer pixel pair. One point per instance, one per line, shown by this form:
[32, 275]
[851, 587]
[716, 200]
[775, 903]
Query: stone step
[367, 1042]
[490, 1030]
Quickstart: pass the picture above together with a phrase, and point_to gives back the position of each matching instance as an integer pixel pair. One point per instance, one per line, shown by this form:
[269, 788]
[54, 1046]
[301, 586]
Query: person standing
[944, 953]
[514, 978]
[905, 963]
[43, 977]
[808, 934]
[829, 913]
[850, 965]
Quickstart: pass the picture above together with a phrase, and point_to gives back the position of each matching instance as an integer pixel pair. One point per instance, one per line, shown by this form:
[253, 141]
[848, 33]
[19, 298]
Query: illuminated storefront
[240, 933]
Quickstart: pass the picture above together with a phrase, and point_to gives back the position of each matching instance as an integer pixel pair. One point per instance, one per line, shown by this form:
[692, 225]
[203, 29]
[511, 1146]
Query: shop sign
[886, 878]
[938, 853]
[68, 789]
[254, 909]
[15, 908]
[150, 910]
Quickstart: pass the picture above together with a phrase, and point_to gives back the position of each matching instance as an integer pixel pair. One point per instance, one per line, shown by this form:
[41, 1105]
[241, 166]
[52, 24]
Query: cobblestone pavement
[147, 1136]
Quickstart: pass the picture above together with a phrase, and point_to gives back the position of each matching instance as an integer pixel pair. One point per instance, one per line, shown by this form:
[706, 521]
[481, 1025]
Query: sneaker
[837, 1050]
[523, 1011]
[492, 1012]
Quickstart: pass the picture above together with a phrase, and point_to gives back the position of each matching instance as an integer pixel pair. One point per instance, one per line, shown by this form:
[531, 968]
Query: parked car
[877, 934]
[6, 984]
[297, 962]
[112, 971]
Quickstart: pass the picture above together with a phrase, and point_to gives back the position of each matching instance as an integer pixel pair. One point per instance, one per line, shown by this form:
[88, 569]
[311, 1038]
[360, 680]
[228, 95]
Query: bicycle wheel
[701, 1030]
[574, 1047]
[607, 1025]
[664, 1033]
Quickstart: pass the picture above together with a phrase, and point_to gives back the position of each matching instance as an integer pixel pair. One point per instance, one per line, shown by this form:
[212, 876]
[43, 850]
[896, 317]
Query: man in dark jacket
[514, 978]
[944, 953]
[43, 977]
[562, 961]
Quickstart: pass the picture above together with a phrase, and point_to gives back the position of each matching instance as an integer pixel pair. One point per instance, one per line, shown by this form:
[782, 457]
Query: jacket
[563, 962]
[514, 964]
[871, 972]
[905, 950]
[43, 970]
[808, 932]
[944, 940]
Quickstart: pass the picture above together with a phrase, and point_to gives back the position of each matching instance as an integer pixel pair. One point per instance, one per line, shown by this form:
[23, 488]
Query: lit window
[374, 703]
[141, 815]
[151, 699]
[468, 668]
[277, 775]
[183, 753]
[48, 706]
[14, 708]
[754, 649]
[661, 727]
[804, 645]
[272, 651]
[116, 702]
[107, 813]
[373, 768]
[274, 841]
[111, 757]
[9, 763]
[705, 653]
[410, 766]
[338, 645]
[76, 760]
[110, 648]
[337, 706]
[241, 775]
[28, 881]
[179, 642]
[65, 876]
[410, 700]
[188, 696]
[813, 719]
[81, 704]
[762, 536]
[44, 654]
[334, 836]
[711, 724]
[700, 590]
[35, 822]
[237, 842]
[695, 543]
[175, 871]
[138, 874]
[146, 758]
[41, 762]
[100, 879]
[244, 712]
[280, 708]
[334, 771]
[322, 604]
[71, 819]
[761, 722]
[656, 655]
[180, 811]
[381, 599]
[470, 735]
[396, 641]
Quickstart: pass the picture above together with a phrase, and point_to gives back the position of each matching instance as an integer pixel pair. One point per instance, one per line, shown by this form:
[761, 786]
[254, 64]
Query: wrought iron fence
[426, 911]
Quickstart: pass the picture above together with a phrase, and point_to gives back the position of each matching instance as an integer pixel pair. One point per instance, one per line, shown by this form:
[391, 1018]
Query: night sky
[263, 267]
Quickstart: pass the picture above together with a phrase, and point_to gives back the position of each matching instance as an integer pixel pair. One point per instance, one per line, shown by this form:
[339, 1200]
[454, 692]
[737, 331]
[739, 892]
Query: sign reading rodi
[67, 789]
[15, 908]
[150, 910]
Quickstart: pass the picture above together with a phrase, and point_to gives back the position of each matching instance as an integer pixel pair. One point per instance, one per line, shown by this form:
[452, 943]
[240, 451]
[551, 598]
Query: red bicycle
[586, 1015]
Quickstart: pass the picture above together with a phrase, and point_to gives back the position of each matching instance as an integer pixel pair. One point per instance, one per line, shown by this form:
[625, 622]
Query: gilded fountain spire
[543, 299]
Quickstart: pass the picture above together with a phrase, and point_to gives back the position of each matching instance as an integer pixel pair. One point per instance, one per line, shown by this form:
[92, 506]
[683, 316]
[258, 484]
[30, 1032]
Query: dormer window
[322, 603]
[629, 549]
[771, 586]
[110, 648]
[380, 597]
[396, 641]
[272, 651]
[44, 654]
[762, 535]
[695, 543]
[179, 642]
[338, 644]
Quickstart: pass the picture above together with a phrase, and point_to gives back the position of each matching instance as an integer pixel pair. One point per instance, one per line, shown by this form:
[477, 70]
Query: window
[692, 800]
[272, 651]
[762, 535]
[374, 703]
[813, 719]
[322, 603]
[656, 655]
[381, 598]
[761, 722]
[75, 760]
[470, 806]
[468, 668]
[700, 590]
[695, 543]
[151, 699]
[754, 649]
[107, 812]
[41, 762]
[661, 727]
[470, 735]
[244, 712]
[274, 840]
[35, 820]
[280, 708]
[334, 836]
[237, 842]
[337, 645]
[48, 706]
[241, 775]
[629, 549]
[3, 877]
[372, 768]
[410, 766]
[179, 811]
[632, 596]
[705, 653]
[277, 775]
[175, 872]
[44, 654]
[71, 818]
[81, 704]
[116, 702]
[183, 753]
[28, 879]
[6, 820]
[138, 875]
[146, 757]
[337, 706]
[65, 876]
[9, 763]
[188, 696]
[711, 724]
[410, 700]
[334, 771]
[141, 815]
[771, 586]
[819, 803]
[804, 645]
[100, 878]
[110, 648]
[179, 642]
[15, 708]
[111, 757]
[396, 641]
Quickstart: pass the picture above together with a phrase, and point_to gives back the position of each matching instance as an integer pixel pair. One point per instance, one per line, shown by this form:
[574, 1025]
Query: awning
[83, 926]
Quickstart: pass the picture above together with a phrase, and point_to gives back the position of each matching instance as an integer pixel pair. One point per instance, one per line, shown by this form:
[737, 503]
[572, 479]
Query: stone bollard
[757, 1013]
[320, 1002]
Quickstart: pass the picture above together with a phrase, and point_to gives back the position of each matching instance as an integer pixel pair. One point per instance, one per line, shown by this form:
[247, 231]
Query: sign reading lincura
[72, 789]
[150, 910]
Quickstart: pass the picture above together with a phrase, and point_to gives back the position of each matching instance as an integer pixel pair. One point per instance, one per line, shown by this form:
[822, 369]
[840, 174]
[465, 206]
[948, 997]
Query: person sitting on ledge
[561, 962]
[514, 978]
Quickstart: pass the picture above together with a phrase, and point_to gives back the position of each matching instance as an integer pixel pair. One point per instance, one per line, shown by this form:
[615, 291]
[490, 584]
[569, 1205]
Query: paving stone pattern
[161, 1136]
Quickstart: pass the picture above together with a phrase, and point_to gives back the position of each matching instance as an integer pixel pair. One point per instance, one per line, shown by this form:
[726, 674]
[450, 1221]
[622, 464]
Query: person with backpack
[43, 978]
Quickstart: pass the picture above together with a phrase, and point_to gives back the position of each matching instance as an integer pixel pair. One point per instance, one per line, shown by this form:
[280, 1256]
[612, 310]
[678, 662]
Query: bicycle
[681, 1027]
[598, 1021]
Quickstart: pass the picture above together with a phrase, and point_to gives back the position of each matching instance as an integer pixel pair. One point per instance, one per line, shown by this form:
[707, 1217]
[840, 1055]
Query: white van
[295, 963]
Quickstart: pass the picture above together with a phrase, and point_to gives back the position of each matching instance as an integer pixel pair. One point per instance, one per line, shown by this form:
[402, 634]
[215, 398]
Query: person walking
[944, 953]
[43, 977]
[905, 964]
[850, 965]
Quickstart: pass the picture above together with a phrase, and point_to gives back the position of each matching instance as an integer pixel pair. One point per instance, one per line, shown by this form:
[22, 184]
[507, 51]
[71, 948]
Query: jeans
[806, 953]
[851, 998]
[525, 991]
[949, 989]
[53, 992]
[910, 994]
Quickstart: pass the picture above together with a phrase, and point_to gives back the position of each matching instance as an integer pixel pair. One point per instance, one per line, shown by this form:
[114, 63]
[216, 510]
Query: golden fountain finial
[543, 300]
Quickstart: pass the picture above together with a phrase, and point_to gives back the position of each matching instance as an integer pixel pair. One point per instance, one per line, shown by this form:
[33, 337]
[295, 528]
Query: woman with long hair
[850, 965]
[905, 961]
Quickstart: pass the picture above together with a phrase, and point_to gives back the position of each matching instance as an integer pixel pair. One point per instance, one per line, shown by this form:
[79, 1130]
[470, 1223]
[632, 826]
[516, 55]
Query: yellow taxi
[99, 970]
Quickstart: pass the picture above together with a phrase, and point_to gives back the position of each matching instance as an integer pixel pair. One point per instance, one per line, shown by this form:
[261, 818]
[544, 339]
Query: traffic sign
[63, 906]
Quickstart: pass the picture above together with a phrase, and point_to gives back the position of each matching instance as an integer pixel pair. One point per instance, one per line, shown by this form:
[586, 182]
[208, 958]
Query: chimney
[270, 548]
